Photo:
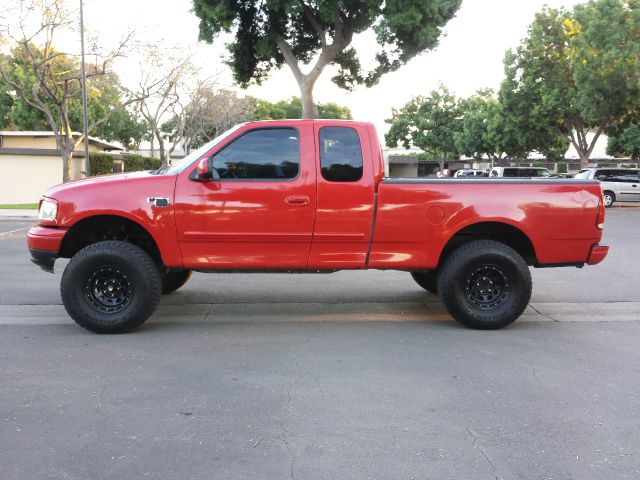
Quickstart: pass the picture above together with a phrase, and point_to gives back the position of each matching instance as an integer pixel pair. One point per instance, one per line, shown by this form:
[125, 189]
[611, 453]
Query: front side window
[340, 154]
[266, 154]
[605, 175]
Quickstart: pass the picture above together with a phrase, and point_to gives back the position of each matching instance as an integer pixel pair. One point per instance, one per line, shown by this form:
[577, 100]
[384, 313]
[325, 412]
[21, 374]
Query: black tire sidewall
[452, 286]
[134, 263]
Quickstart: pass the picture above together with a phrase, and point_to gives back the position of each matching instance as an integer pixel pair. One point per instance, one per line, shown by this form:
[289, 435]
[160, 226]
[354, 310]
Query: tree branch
[290, 58]
[309, 15]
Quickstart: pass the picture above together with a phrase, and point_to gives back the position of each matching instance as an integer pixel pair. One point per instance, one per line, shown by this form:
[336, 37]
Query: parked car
[308, 196]
[470, 173]
[521, 172]
[618, 184]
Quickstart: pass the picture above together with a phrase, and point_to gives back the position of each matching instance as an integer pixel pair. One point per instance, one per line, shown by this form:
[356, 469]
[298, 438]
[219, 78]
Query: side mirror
[205, 171]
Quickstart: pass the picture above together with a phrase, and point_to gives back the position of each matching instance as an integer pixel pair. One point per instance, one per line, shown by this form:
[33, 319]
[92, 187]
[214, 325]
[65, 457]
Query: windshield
[180, 165]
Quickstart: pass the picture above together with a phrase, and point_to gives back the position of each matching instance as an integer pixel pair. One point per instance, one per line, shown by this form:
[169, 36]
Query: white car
[520, 172]
[618, 184]
[465, 173]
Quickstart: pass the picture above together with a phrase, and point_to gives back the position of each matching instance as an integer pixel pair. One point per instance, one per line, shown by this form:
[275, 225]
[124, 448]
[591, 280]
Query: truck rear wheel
[485, 284]
[172, 280]
[110, 287]
[428, 280]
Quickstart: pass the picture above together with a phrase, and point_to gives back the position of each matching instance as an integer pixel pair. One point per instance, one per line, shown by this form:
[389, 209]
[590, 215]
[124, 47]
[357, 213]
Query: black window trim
[267, 180]
[320, 154]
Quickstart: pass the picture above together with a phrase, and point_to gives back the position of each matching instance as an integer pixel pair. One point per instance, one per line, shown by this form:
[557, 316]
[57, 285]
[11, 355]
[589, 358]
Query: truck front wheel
[485, 284]
[110, 287]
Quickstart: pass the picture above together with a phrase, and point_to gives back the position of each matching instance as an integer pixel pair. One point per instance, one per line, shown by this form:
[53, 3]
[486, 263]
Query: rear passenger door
[345, 196]
[628, 185]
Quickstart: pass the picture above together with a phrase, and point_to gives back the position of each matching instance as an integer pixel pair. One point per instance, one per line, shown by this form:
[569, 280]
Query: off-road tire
[428, 280]
[485, 284]
[172, 280]
[111, 287]
[609, 198]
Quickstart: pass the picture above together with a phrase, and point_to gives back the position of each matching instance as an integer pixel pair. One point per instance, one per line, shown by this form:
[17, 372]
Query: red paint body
[308, 223]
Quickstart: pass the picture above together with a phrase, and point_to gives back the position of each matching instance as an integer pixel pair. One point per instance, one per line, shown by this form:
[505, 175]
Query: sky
[469, 56]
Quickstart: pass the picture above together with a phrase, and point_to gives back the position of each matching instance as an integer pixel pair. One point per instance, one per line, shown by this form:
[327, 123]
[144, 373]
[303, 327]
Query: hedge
[562, 167]
[100, 163]
[137, 163]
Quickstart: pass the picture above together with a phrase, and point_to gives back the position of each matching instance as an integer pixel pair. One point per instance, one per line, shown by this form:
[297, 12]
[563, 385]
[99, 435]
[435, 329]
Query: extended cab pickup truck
[308, 196]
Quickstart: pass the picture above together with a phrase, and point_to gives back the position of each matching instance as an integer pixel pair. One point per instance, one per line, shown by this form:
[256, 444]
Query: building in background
[30, 162]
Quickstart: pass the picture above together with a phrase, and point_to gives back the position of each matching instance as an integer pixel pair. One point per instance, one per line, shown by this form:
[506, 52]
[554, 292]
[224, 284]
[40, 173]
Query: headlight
[48, 210]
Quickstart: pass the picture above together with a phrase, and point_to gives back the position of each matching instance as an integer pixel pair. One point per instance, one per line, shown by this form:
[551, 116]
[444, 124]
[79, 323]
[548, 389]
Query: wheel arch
[96, 228]
[497, 230]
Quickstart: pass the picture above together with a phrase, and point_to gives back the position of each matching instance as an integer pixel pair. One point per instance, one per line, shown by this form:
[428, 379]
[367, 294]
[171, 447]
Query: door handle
[297, 200]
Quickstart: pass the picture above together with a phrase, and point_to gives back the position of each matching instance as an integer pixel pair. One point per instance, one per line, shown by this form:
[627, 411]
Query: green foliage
[538, 164]
[100, 163]
[430, 123]
[562, 167]
[481, 127]
[605, 53]
[625, 143]
[138, 163]
[536, 94]
[292, 108]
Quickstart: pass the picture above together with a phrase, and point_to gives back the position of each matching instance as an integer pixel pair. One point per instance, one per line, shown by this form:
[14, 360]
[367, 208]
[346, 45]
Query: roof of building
[26, 133]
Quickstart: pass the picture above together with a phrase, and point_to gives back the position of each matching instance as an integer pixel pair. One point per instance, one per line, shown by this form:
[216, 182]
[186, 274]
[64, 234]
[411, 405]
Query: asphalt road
[353, 375]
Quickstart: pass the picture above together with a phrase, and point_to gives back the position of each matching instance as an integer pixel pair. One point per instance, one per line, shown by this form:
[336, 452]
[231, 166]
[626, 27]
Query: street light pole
[83, 86]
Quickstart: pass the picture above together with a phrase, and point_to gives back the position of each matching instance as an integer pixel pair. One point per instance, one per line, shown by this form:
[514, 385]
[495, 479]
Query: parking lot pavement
[351, 375]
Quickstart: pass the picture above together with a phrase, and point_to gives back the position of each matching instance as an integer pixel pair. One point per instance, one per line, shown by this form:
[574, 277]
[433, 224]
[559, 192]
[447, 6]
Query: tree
[481, 134]
[575, 74]
[430, 123]
[271, 34]
[48, 81]
[626, 143]
[165, 95]
[208, 113]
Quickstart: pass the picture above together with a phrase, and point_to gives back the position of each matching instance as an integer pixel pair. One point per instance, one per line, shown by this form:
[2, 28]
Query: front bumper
[44, 244]
[43, 258]
[597, 254]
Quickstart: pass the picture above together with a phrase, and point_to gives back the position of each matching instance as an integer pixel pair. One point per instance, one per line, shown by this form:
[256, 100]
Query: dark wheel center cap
[487, 287]
[108, 289]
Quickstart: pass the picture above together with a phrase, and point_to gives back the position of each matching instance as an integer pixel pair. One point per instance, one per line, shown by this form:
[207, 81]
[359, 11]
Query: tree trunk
[309, 107]
[584, 160]
[67, 162]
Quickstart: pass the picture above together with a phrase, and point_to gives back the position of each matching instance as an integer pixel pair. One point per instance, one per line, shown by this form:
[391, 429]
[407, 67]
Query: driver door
[259, 214]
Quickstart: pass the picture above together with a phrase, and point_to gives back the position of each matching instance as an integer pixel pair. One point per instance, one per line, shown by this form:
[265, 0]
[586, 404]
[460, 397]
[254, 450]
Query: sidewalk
[9, 214]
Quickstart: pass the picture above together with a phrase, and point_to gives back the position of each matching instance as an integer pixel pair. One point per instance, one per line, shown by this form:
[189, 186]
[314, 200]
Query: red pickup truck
[308, 196]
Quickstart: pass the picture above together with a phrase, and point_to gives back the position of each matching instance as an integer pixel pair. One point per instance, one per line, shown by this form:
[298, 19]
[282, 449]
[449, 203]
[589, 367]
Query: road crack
[542, 314]
[486, 457]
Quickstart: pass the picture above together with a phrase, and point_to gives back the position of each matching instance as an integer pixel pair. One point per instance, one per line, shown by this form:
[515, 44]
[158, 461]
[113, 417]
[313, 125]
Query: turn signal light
[600, 215]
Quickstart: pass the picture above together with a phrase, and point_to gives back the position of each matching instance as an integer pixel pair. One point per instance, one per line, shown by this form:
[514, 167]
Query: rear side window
[618, 176]
[267, 154]
[340, 154]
